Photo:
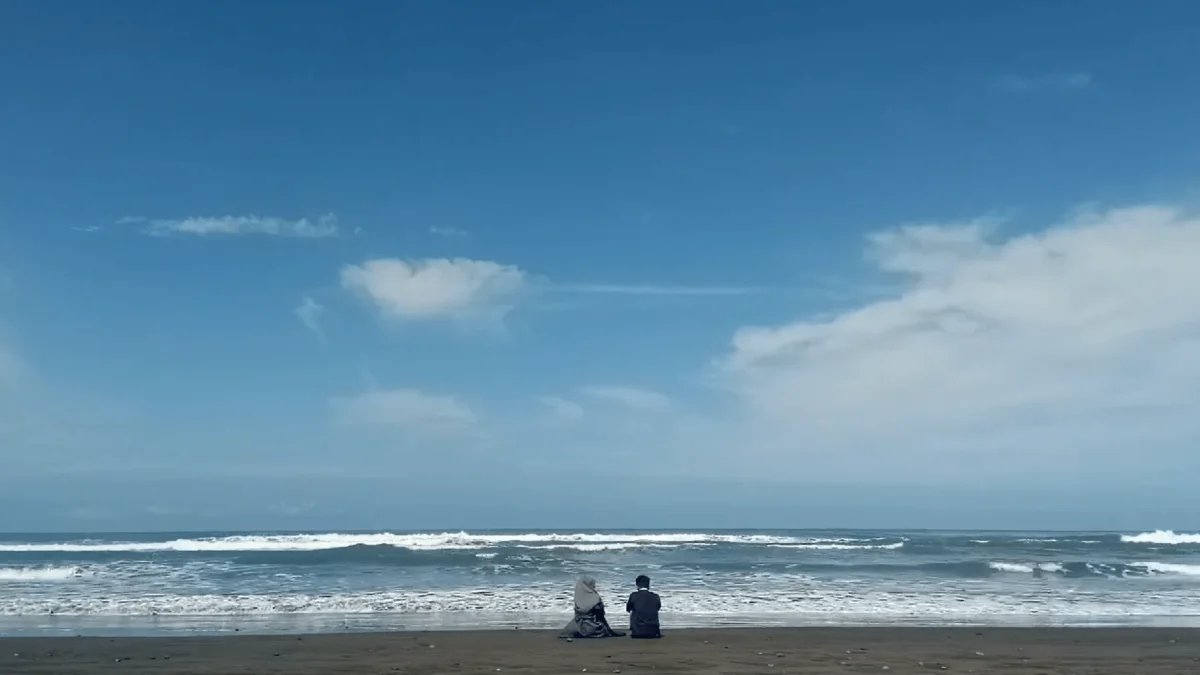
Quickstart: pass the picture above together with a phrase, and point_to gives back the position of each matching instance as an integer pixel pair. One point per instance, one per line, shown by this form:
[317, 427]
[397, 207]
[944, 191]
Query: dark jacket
[643, 609]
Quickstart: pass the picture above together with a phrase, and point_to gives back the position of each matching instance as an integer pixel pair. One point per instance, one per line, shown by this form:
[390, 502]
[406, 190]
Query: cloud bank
[1049, 347]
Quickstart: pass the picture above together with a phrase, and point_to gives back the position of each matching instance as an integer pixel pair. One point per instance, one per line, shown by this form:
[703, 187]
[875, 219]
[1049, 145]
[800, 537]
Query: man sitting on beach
[643, 606]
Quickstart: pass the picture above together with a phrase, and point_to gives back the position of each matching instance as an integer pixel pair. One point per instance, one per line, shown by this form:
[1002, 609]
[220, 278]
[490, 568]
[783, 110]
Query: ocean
[146, 584]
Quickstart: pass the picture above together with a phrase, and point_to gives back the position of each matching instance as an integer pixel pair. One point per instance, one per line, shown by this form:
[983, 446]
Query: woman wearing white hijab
[589, 621]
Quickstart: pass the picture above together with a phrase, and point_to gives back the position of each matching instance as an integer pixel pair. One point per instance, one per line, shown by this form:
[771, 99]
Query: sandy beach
[815, 651]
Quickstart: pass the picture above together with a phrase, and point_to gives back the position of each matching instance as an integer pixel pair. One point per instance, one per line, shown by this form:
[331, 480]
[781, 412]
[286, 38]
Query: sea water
[53, 584]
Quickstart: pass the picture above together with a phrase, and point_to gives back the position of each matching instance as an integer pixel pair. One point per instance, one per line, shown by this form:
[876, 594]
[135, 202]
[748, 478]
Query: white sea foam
[1024, 568]
[614, 546]
[1169, 568]
[833, 602]
[416, 542]
[31, 574]
[1011, 567]
[1161, 537]
[840, 547]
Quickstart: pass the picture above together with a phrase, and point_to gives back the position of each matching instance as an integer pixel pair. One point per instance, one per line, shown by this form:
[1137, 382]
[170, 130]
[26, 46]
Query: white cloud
[1054, 81]
[1048, 348]
[408, 409]
[309, 312]
[632, 397]
[562, 408]
[437, 288]
[452, 232]
[325, 226]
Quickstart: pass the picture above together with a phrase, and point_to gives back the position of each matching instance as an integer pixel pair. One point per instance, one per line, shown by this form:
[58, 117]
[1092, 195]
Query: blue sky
[427, 264]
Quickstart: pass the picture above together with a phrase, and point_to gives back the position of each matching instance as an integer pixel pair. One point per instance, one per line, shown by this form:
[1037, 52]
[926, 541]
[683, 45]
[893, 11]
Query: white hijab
[586, 596]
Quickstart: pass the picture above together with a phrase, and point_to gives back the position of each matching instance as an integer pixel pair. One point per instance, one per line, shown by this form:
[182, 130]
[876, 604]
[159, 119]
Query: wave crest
[1167, 537]
[433, 542]
[28, 574]
[1023, 568]
[1169, 568]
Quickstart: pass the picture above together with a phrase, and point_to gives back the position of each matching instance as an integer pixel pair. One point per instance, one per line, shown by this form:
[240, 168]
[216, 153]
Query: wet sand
[813, 651]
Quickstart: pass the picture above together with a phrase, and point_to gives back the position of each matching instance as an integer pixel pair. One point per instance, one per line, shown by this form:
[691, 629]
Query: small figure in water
[643, 606]
[589, 621]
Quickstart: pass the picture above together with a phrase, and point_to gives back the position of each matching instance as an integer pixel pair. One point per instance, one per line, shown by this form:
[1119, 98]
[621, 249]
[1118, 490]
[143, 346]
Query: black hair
[642, 581]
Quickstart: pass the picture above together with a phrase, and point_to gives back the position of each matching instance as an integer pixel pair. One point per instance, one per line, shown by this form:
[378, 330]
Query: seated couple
[590, 622]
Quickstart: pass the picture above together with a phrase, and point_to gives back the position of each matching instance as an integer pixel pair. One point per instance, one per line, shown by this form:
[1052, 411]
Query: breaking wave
[1166, 537]
[1025, 568]
[1109, 570]
[1170, 568]
[435, 542]
[28, 574]
[841, 547]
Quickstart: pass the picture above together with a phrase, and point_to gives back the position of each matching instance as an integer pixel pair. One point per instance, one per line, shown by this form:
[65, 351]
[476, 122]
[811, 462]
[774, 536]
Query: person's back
[643, 606]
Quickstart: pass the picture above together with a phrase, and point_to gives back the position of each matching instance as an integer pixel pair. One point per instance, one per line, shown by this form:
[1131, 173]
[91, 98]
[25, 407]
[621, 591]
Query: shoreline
[816, 651]
[267, 625]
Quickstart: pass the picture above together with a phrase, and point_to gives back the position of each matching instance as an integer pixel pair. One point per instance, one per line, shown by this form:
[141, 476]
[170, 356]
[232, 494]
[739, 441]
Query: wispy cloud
[632, 397]
[325, 226]
[309, 312]
[410, 409]
[1020, 84]
[485, 291]
[562, 408]
[650, 289]
[90, 229]
[448, 231]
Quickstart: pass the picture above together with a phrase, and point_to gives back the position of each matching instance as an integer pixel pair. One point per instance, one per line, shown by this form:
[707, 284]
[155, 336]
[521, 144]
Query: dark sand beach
[815, 651]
